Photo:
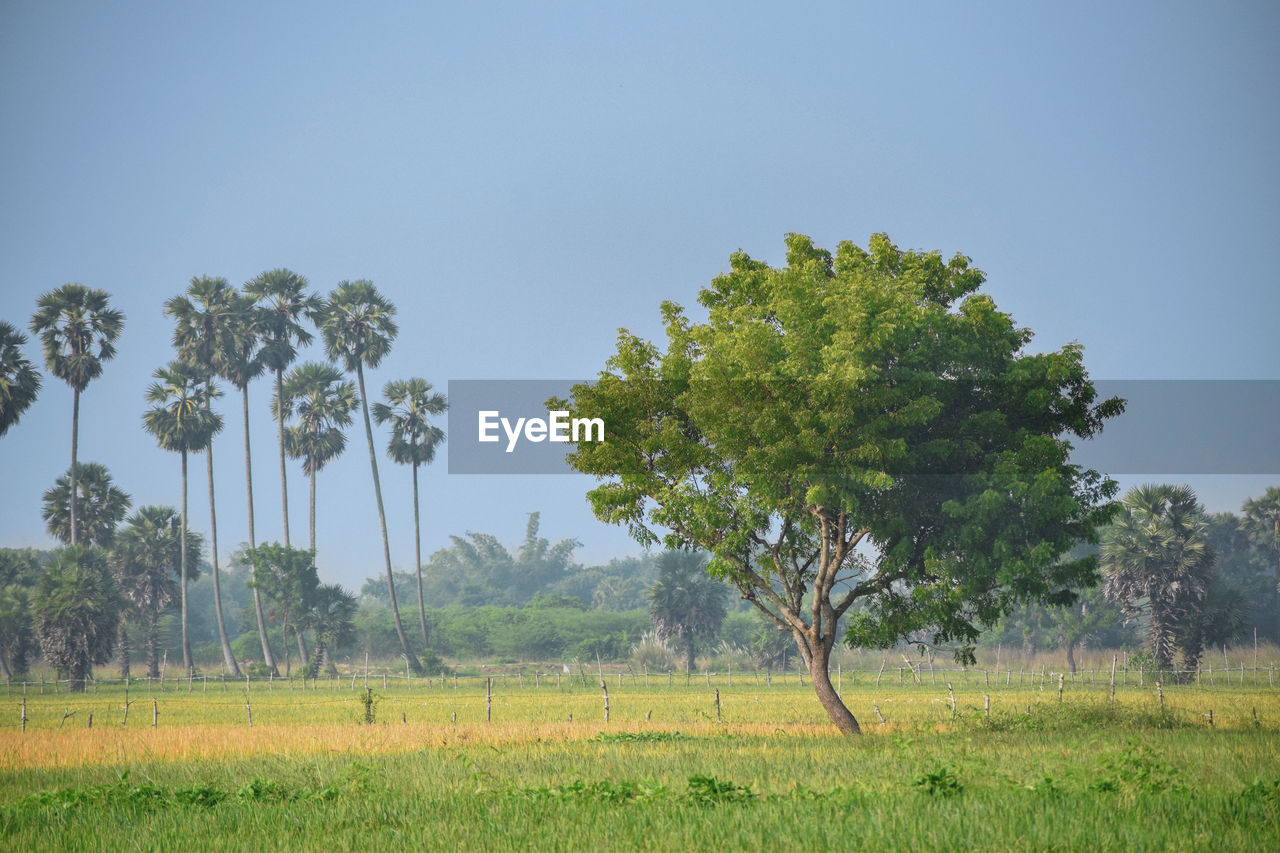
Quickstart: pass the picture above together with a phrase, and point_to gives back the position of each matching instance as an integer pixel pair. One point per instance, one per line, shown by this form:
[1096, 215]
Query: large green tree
[19, 379]
[359, 325]
[684, 603]
[102, 505]
[409, 408]
[204, 329]
[863, 427]
[147, 561]
[77, 329]
[182, 422]
[287, 577]
[319, 401]
[76, 610]
[1159, 566]
[1262, 522]
[283, 306]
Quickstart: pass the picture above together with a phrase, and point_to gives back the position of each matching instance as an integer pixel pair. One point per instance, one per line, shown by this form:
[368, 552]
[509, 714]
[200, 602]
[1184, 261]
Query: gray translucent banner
[1170, 426]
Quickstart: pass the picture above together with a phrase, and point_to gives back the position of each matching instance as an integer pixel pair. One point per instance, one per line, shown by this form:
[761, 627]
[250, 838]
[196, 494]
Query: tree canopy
[858, 428]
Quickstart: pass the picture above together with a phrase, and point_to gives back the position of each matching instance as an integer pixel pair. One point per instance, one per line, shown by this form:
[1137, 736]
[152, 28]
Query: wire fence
[918, 689]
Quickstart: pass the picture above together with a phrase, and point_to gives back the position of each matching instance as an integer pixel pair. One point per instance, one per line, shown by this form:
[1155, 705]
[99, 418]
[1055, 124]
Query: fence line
[1205, 675]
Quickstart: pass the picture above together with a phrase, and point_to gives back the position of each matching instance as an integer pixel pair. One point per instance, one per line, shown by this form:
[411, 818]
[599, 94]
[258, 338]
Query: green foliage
[942, 782]
[684, 604]
[100, 506]
[77, 330]
[872, 398]
[1159, 566]
[370, 704]
[76, 610]
[19, 379]
[710, 791]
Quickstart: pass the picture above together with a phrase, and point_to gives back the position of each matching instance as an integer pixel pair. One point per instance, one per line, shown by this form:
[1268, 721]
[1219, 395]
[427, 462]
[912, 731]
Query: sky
[524, 179]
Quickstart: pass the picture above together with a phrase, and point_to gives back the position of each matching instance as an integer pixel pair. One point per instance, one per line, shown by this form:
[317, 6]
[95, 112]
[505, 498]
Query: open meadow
[522, 760]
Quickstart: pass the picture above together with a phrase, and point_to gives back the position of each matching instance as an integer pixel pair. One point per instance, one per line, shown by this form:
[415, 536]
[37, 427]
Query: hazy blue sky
[523, 179]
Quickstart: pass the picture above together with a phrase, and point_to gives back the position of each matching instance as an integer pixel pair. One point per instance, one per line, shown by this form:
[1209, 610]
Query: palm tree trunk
[417, 557]
[228, 657]
[313, 513]
[382, 520]
[267, 657]
[122, 638]
[153, 644]
[182, 572]
[75, 447]
[302, 648]
[284, 478]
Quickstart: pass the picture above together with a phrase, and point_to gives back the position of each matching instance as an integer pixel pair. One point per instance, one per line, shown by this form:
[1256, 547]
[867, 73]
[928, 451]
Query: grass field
[662, 773]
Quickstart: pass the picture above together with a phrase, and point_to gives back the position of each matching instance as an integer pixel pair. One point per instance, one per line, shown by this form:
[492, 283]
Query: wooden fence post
[488, 700]
[1113, 678]
[24, 713]
[604, 688]
[155, 713]
[718, 719]
[986, 706]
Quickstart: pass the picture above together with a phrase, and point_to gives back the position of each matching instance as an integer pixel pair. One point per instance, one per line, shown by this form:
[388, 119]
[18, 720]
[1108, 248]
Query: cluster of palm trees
[236, 335]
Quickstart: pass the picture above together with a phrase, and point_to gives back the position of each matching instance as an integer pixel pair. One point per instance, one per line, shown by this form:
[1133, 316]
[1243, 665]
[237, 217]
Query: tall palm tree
[320, 401]
[240, 362]
[1157, 563]
[282, 305]
[204, 324]
[332, 618]
[181, 422]
[76, 610]
[684, 603]
[147, 560]
[77, 329]
[414, 440]
[19, 379]
[102, 506]
[358, 329]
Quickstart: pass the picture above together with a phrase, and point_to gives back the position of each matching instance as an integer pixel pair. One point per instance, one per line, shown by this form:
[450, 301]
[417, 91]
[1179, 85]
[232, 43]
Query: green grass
[1079, 774]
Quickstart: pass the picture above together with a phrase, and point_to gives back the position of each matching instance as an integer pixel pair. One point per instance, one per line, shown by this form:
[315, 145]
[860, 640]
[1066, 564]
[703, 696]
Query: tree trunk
[688, 654]
[284, 479]
[1071, 657]
[78, 674]
[267, 657]
[122, 638]
[313, 514]
[417, 557]
[382, 520]
[302, 648]
[228, 657]
[182, 572]
[75, 448]
[153, 645]
[818, 656]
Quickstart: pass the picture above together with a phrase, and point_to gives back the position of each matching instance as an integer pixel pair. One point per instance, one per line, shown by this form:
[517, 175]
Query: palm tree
[684, 603]
[282, 305]
[358, 329]
[287, 577]
[206, 319]
[76, 610]
[78, 331]
[102, 506]
[1157, 564]
[332, 618]
[240, 362]
[19, 379]
[322, 402]
[413, 442]
[147, 560]
[181, 422]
